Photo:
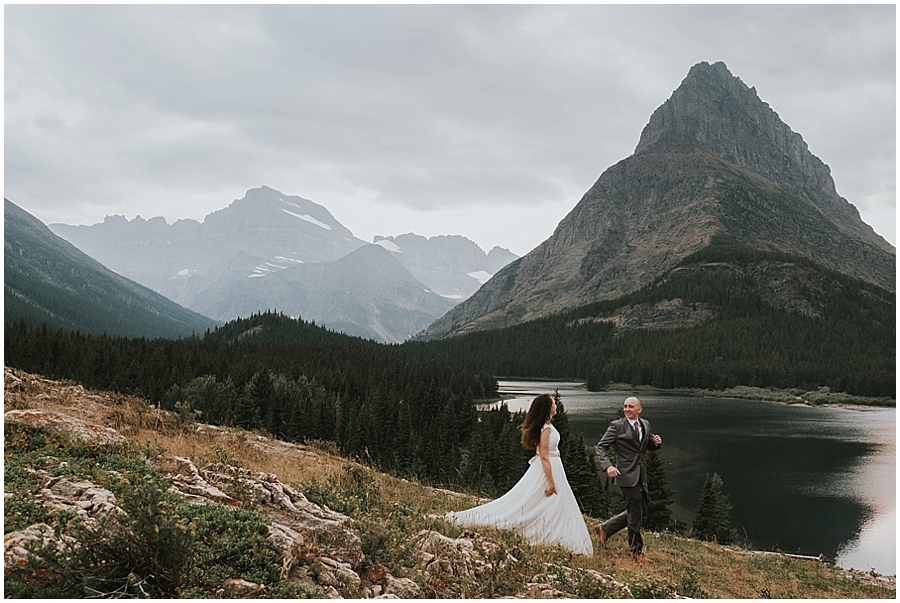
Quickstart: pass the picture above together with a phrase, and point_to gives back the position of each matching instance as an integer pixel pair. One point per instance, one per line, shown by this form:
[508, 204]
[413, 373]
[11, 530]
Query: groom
[631, 439]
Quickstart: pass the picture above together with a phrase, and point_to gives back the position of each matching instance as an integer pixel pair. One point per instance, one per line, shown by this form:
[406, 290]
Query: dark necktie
[637, 431]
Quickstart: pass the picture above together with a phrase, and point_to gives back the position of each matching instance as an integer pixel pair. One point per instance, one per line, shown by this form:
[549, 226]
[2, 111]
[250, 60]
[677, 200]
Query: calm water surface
[800, 479]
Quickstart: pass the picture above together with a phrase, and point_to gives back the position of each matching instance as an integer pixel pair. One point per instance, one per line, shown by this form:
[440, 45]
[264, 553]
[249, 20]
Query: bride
[541, 506]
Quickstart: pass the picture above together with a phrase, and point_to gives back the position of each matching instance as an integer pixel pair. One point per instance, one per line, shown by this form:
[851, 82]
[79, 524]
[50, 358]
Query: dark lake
[801, 479]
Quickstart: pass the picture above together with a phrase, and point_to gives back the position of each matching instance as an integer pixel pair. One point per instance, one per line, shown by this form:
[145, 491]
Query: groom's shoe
[641, 558]
[601, 534]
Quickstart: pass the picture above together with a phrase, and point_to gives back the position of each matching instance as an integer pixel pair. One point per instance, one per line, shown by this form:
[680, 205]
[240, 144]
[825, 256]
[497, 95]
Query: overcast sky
[485, 121]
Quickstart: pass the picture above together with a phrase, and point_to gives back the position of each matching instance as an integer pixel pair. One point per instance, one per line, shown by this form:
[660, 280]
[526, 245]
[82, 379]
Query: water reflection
[801, 479]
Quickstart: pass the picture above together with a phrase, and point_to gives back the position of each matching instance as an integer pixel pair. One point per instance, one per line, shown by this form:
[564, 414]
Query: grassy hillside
[726, 316]
[48, 281]
[388, 512]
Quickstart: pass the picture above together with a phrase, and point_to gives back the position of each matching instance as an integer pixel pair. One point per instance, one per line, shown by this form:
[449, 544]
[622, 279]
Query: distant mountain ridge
[269, 230]
[366, 293]
[271, 251]
[713, 161]
[49, 281]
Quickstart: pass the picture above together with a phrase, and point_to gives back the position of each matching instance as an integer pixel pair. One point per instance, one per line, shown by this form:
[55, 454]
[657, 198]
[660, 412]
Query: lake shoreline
[821, 398]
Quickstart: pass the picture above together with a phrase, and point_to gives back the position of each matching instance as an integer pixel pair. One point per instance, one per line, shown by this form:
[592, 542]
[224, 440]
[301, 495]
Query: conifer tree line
[406, 416]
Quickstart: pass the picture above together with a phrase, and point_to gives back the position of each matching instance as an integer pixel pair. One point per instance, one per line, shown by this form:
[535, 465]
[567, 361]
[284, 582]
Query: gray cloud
[413, 118]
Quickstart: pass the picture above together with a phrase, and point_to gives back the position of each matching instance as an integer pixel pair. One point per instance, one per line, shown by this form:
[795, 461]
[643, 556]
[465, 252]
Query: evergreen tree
[596, 381]
[659, 515]
[473, 467]
[261, 391]
[713, 519]
[245, 414]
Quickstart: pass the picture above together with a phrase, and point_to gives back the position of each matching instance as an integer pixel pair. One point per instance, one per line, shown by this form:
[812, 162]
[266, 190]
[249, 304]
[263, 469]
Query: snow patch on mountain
[279, 262]
[389, 245]
[264, 269]
[308, 218]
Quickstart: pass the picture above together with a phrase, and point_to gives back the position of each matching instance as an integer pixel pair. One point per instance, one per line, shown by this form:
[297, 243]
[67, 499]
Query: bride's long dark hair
[537, 416]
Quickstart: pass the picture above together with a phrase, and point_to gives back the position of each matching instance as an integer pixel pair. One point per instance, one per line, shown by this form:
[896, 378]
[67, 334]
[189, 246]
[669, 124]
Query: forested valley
[833, 331]
[411, 409]
[408, 417]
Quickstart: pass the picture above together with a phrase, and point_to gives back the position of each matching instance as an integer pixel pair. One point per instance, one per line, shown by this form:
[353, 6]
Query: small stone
[238, 588]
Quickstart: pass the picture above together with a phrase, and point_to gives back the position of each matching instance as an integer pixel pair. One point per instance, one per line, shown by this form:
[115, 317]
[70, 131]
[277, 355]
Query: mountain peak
[714, 163]
[714, 111]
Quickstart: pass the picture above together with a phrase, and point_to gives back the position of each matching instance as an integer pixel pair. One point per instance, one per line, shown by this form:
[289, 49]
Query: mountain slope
[450, 265]
[723, 317]
[395, 510]
[47, 280]
[713, 161]
[366, 293]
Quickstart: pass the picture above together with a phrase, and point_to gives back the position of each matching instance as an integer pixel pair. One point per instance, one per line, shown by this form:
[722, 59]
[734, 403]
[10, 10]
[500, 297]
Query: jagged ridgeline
[724, 316]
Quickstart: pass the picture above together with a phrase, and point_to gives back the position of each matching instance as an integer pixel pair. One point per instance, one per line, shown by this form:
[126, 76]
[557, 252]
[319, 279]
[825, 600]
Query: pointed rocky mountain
[450, 265]
[366, 293]
[49, 281]
[713, 161]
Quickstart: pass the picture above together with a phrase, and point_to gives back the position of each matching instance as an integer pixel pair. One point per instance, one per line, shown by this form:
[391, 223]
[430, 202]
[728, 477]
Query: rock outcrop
[304, 532]
[82, 430]
[299, 528]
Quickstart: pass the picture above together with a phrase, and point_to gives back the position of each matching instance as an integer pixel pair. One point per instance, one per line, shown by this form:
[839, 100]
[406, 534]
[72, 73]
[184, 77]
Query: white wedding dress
[541, 519]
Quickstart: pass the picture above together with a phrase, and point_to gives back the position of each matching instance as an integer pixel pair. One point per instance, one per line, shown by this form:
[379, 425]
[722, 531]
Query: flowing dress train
[544, 520]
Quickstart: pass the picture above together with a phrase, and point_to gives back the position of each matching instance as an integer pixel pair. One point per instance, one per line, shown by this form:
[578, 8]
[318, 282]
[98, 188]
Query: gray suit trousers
[636, 503]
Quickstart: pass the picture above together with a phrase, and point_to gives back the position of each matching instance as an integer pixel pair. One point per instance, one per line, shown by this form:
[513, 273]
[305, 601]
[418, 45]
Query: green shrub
[141, 554]
[648, 587]
[231, 542]
[354, 493]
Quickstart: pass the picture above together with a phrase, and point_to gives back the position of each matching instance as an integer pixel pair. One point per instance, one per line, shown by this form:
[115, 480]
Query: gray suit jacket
[630, 456]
